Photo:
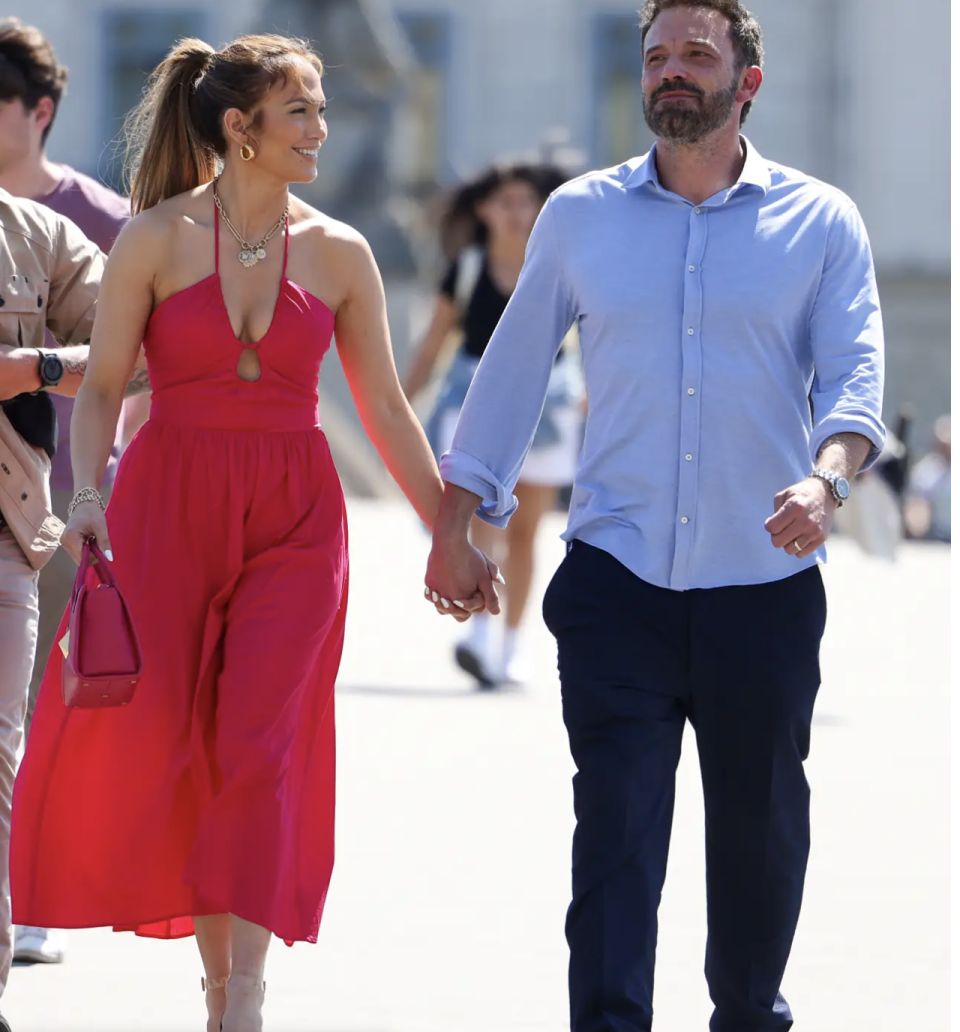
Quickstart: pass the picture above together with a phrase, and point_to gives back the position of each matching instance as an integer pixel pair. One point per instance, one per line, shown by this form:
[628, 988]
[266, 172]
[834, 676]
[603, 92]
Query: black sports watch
[51, 369]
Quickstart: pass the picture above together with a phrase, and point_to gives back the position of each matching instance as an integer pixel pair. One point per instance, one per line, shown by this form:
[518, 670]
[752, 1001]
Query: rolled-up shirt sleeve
[846, 337]
[503, 406]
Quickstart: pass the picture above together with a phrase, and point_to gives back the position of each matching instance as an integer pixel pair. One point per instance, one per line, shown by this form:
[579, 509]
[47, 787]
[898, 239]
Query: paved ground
[446, 911]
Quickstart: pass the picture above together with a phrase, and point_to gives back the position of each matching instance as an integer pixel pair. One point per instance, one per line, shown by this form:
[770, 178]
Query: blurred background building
[423, 92]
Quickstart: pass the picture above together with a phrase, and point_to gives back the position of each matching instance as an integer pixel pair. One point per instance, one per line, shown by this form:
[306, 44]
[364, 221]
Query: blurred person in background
[717, 292]
[32, 85]
[206, 806]
[927, 506]
[485, 229]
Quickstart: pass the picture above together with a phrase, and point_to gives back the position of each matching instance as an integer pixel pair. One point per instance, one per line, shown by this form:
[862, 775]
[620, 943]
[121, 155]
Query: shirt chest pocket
[23, 308]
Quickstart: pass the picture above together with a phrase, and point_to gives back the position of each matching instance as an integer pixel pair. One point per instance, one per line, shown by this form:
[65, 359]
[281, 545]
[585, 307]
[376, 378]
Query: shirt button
[690, 390]
[693, 268]
[697, 210]
[690, 332]
[684, 519]
[689, 458]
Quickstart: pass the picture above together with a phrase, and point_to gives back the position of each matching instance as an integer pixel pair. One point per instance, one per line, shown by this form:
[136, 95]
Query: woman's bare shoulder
[152, 239]
[324, 232]
[166, 220]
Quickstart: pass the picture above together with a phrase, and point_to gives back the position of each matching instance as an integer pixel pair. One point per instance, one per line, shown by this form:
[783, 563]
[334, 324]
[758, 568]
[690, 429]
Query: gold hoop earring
[247, 152]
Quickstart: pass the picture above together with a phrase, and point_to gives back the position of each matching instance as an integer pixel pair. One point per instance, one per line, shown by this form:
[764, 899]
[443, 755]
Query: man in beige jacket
[49, 278]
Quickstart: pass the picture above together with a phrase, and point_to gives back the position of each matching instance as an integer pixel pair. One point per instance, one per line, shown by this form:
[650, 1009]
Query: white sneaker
[515, 672]
[39, 945]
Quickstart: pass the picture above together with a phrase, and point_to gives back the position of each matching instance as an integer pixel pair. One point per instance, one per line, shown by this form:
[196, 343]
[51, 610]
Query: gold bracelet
[85, 494]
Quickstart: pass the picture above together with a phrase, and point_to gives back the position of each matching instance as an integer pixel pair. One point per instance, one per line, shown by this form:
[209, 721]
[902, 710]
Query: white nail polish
[109, 555]
[459, 605]
[436, 597]
[445, 603]
[500, 579]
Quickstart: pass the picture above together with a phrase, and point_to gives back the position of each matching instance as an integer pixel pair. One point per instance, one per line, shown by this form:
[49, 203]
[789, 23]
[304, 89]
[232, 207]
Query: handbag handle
[104, 572]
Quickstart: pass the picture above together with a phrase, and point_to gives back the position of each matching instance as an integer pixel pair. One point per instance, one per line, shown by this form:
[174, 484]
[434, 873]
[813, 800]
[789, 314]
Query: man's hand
[19, 372]
[803, 518]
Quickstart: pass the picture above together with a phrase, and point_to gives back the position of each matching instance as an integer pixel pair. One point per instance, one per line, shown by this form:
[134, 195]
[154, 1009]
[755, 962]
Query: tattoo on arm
[139, 382]
[74, 363]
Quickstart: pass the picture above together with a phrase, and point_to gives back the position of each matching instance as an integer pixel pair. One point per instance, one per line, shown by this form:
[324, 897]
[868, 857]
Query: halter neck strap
[216, 238]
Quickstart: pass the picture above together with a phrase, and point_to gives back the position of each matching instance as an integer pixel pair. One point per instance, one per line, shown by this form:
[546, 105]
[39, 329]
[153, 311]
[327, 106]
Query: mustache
[673, 87]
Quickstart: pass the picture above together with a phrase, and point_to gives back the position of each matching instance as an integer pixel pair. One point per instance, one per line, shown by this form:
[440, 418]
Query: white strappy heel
[207, 984]
[248, 983]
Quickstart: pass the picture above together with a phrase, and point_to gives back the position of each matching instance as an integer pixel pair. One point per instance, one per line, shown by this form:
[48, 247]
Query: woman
[487, 225]
[207, 804]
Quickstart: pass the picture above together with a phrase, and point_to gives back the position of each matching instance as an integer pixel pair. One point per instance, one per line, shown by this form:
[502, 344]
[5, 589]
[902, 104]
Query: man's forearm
[139, 382]
[74, 361]
[75, 365]
[844, 454]
[456, 512]
[20, 372]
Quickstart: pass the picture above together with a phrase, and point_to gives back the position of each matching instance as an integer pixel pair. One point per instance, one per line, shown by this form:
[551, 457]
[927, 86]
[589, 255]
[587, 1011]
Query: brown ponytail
[175, 136]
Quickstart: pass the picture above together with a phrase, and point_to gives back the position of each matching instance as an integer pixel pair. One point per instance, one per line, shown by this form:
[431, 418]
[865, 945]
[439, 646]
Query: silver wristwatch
[839, 486]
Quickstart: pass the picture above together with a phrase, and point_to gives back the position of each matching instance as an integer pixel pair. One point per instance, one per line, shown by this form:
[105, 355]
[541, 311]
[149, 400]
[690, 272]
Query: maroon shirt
[100, 213]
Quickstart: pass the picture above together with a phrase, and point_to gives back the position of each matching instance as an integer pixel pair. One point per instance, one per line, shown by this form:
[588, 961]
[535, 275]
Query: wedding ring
[798, 547]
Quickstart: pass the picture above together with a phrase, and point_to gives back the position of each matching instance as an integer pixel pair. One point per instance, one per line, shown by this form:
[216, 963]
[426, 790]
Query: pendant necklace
[249, 254]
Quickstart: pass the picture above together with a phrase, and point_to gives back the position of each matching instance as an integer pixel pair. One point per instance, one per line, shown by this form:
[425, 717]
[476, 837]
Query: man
[49, 278]
[717, 295]
[32, 84]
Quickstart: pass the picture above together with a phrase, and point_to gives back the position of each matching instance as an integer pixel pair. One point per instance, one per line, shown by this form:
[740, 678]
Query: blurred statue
[368, 63]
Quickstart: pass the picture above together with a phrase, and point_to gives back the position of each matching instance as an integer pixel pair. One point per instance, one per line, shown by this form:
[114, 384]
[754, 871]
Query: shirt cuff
[498, 505]
[861, 423]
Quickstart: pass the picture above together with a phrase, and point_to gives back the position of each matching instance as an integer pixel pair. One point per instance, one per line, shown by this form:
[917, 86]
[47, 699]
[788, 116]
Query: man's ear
[750, 82]
[43, 113]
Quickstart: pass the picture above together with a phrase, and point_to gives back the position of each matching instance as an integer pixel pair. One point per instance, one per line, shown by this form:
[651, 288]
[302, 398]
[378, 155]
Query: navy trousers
[636, 662]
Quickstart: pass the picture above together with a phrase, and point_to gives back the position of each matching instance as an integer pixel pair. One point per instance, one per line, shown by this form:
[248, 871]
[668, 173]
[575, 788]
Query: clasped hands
[461, 580]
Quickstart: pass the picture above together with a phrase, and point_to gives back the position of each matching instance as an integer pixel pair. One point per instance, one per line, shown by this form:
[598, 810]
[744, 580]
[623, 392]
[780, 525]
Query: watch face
[843, 487]
[51, 369]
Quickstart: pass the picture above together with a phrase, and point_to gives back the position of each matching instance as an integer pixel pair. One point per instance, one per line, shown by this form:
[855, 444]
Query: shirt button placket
[690, 413]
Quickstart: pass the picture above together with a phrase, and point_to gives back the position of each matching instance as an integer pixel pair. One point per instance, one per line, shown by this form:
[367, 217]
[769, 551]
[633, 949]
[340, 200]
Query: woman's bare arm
[123, 308]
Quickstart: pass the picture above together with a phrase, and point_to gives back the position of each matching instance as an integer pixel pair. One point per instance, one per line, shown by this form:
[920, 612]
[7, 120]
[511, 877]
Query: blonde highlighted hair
[175, 136]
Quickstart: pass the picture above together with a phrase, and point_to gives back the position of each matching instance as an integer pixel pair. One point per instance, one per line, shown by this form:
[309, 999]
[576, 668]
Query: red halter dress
[213, 791]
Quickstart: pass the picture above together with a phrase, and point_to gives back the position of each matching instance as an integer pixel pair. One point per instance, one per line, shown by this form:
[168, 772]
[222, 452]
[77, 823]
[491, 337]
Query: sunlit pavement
[454, 820]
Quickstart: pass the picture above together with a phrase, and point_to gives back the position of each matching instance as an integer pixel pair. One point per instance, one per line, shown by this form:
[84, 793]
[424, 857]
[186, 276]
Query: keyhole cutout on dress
[248, 365]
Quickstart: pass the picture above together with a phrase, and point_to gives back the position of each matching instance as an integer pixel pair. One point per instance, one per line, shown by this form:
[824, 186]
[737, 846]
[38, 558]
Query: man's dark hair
[29, 69]
[744, 31]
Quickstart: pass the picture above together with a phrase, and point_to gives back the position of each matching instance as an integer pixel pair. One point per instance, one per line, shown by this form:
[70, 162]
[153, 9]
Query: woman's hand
[86, 521]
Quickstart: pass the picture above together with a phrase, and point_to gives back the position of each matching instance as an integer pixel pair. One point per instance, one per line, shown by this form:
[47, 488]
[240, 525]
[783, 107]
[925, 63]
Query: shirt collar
[755, 172]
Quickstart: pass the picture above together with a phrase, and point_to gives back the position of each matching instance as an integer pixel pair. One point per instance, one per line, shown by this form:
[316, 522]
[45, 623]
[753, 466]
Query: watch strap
[832, 479]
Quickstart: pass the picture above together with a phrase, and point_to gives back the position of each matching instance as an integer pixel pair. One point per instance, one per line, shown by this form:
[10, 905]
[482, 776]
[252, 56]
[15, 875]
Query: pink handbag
[104, 661]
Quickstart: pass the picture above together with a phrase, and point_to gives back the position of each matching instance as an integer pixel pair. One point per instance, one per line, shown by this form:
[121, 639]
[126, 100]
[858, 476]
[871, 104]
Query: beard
[692, 121]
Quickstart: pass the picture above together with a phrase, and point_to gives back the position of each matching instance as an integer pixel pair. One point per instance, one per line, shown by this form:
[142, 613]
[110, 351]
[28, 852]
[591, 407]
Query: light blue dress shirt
[706, 332]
